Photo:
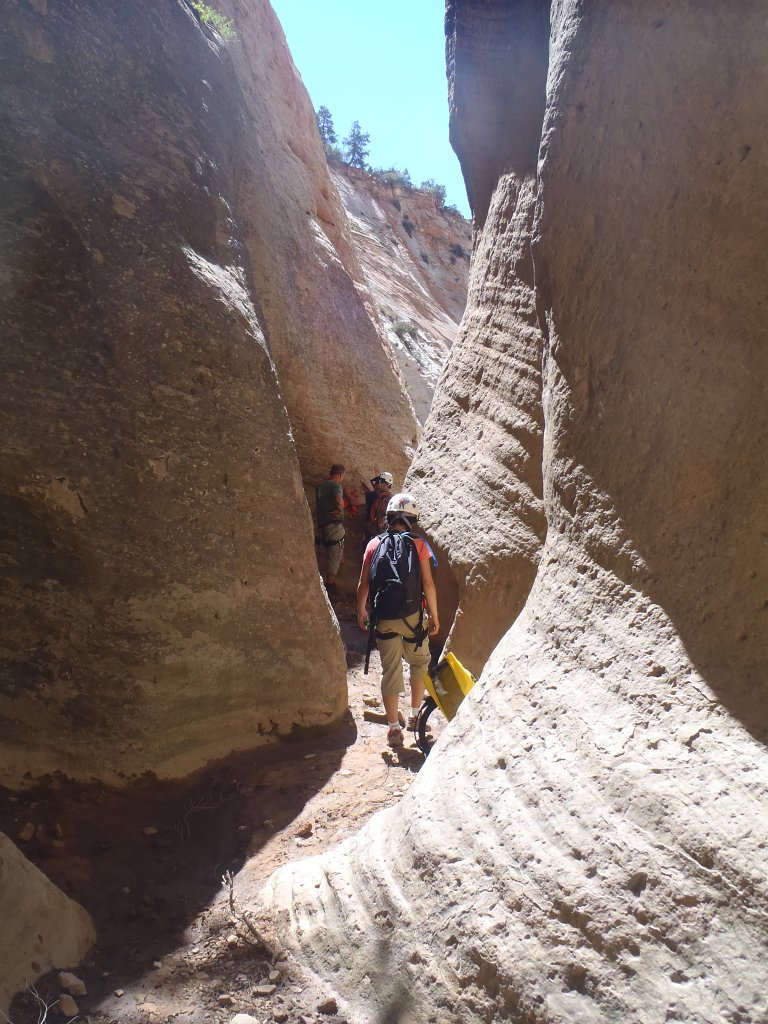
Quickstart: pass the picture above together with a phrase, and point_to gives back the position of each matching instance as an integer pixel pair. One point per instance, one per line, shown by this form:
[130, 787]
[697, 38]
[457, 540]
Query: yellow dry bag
[447, 685]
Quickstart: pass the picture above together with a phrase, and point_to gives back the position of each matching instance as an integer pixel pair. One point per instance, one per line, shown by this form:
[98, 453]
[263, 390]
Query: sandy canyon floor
[147, 862]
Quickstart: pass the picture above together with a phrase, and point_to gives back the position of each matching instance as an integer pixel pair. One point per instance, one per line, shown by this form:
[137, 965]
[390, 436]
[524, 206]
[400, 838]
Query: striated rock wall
[478, 473]
[170, 237]
[587, 841]
[415, 258]
[42, 928]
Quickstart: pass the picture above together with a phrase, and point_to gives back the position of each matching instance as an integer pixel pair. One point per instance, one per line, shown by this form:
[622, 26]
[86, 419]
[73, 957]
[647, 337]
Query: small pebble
[265, 990]
[226, 1000]
[275, 975]
[119, 992]
[329, 1007]
[150, 830]
[232, 941]
[27, 832]
[156, 963]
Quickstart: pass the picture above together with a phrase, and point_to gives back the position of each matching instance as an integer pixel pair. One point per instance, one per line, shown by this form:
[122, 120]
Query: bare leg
[417, 693]
[391, 703]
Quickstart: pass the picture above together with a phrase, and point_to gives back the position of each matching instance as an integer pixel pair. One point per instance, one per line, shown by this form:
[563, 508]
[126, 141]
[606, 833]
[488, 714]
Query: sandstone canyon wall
[175, 272]
[587, 841]
[415, 259]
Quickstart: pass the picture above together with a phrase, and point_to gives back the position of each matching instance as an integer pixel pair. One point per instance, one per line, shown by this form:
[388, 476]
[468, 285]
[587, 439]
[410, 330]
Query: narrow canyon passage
[200, 316]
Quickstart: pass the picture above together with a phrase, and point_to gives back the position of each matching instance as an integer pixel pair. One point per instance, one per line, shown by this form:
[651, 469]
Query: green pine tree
[325, 126]
[356, 144]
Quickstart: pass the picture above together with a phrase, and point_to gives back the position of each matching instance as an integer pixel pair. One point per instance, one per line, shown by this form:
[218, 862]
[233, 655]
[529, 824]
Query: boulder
[42, 928]
[587, 840]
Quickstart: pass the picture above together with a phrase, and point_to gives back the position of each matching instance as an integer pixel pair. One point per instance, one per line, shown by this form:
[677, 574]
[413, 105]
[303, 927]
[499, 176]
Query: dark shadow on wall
[497, 56]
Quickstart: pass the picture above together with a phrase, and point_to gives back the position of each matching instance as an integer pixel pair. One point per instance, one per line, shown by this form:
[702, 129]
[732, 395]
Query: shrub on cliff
[437, 190]
[217, 21]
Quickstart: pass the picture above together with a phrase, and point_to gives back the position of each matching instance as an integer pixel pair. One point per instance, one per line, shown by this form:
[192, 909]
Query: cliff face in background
[587, 840]
[175, 272]
[345, 398]
[415, 260]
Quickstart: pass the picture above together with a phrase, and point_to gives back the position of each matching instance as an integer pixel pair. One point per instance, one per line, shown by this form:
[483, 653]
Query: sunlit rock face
[344, 393]
[415, 258]
[170, 236]
[587, 841]
[42, 928]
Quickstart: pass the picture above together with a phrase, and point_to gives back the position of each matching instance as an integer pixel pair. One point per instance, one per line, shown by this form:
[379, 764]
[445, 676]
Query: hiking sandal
[413, 722]
[395, 737]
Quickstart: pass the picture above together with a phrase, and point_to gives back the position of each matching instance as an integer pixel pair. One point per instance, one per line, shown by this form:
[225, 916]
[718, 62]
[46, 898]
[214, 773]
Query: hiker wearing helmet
[396, 581]
[376, 501]
[378, 516]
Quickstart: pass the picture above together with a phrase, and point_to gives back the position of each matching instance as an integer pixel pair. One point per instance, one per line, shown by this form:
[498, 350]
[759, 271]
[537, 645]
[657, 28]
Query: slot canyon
[201, 314]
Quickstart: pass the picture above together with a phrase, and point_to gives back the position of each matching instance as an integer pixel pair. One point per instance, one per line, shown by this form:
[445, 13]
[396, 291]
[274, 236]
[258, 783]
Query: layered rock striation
[415, 258]
[179, 297]
[587, 841]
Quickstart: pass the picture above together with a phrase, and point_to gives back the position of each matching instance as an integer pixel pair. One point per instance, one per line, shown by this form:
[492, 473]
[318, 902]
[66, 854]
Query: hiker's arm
[338, 512]
[362, 594]
[428, 586]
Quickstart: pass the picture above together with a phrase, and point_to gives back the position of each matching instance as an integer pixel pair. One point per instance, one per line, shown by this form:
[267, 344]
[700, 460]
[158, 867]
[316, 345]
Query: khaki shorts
[393, 651]
[334, 552]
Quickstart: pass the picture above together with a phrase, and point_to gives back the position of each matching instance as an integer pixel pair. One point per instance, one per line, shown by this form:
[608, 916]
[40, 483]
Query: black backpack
[395, 578]
[394, 589]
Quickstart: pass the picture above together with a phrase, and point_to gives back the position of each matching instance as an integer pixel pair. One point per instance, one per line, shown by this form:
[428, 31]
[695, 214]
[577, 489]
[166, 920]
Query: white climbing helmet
[402, 504]
[386, 477]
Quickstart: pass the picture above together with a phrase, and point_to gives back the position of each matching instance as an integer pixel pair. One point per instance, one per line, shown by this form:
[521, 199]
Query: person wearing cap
[405, 637]
[376, 500]
[378, 514]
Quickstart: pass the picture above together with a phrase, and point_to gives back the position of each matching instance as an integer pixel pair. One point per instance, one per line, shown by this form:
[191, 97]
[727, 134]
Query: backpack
[395, 578]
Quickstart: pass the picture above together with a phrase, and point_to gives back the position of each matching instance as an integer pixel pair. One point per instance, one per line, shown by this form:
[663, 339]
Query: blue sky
[382, 64]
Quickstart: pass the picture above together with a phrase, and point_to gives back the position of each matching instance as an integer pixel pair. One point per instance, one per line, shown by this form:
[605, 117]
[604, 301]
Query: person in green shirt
[329, 498]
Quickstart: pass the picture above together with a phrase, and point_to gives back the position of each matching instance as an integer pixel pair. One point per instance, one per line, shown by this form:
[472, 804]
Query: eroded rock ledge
[588, 840]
